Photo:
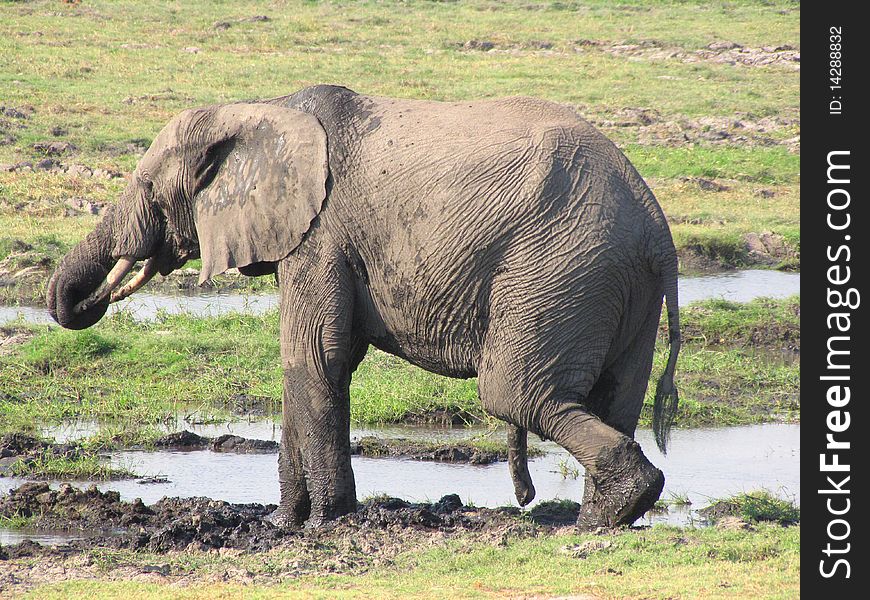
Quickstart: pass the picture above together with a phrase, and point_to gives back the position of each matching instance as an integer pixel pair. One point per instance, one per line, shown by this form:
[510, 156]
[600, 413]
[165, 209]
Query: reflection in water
[738, 286]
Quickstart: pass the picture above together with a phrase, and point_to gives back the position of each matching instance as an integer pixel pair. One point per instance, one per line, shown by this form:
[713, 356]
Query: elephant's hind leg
[617, 396]
[625, 483]
[547, 396]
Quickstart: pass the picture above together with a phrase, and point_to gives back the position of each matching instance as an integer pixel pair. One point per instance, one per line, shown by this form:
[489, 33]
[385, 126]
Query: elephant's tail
[666, 398]
[518, 464]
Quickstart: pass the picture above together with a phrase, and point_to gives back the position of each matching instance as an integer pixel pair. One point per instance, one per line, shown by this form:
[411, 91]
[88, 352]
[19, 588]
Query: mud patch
[20, 451]
[368, 446]
[752, 507]
[204, 524]
[52, 164]
[651, 128]
[27, 456]
[719, 52]
[499, 47]
[10, 339]
[771, 249]
[449, 452]
[224, 25]
[187, 440]
[555, 512]
[229, 543]
[766, 249]
[443, 417]
[25, 266]
[167, 95]
[775, 335]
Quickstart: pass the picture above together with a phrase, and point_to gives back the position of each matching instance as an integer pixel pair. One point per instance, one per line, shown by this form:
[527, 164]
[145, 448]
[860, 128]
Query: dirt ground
[381, 529]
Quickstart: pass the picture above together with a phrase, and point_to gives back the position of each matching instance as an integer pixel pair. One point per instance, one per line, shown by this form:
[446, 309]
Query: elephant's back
[440, 202]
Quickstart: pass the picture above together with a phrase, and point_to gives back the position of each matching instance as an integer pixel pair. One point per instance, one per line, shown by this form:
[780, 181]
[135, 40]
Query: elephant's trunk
[82, 272]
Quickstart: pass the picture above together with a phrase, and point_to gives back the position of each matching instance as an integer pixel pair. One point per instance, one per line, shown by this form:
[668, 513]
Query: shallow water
[702, 464]
[144, 306]
[46, 537]
[738, 286]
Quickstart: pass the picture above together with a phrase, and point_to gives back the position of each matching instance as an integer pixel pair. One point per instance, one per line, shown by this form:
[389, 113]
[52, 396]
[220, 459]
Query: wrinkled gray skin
[505, 239]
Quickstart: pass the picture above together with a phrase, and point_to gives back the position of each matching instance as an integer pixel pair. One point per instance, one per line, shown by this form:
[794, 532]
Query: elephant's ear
[258, 184]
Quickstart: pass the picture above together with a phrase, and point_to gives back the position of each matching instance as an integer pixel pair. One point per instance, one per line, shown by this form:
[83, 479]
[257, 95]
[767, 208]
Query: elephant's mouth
[78, 300]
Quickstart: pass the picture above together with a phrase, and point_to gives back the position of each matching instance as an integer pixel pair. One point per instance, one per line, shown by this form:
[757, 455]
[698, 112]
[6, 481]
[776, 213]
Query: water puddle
[702, 464]
[45, 537]
[739, 286]
[144, 306]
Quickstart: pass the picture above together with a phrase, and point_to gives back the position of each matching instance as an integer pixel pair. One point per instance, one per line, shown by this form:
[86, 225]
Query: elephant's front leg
[295, 507]
[316, 348]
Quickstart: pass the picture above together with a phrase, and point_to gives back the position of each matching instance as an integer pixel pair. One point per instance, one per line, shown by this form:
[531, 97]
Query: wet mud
[368, 446]
[729, 513]
[187, 440]
[185, 524]
[23, 453]
[719, 52]
[765, 249]
[20, 451]
[449, 452]
[777, 338]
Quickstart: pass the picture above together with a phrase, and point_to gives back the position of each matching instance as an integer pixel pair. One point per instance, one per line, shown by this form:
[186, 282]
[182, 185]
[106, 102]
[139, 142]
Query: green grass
[144, 373]
[756, 507]
[763, 323]
[84, 466]
[662, 562]
[769, 166]
[15, 522]
[111, 74]
[673, 499]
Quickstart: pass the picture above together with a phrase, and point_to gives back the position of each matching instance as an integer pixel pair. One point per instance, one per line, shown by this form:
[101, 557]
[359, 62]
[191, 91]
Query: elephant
[504, 239]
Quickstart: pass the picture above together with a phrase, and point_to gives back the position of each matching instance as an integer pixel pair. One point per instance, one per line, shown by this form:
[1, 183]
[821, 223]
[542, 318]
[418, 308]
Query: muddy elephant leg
[295, 506]
[617, 396]
[547, 399]
[624, 483]
[318, 354]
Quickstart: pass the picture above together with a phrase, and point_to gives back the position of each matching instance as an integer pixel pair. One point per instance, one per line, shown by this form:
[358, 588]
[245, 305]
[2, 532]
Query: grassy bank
[661, 562]
[739, 364]
[703, 98]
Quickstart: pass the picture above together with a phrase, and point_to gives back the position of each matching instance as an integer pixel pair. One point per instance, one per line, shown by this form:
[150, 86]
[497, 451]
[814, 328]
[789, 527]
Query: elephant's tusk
[115, 277]
[148, 271]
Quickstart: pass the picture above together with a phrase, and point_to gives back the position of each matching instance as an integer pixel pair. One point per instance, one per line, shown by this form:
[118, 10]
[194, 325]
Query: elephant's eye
[147, 185]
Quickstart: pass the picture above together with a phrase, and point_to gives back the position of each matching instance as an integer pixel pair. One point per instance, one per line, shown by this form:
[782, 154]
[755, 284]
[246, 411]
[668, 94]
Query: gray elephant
[504, 239]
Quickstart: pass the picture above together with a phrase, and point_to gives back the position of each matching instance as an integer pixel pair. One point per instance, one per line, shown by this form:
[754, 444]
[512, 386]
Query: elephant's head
[237, 185]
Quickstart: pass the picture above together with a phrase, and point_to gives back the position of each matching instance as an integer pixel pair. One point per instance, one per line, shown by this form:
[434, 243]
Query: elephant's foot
[301, 512]
[329, 511]
[625, 486]
[291, 513]
[284, 518]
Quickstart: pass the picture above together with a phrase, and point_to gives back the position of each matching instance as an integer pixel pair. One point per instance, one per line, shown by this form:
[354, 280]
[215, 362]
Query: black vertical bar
[834, 227]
